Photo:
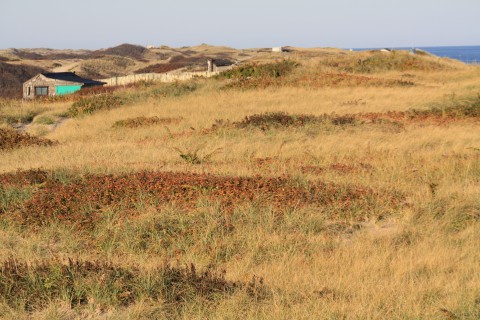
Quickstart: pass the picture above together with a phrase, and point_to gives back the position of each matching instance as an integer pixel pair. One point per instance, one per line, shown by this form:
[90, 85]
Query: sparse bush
[93, 104]
[195, 157]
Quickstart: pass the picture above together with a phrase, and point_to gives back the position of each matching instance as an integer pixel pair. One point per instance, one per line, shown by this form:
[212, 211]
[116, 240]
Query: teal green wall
[61, 90]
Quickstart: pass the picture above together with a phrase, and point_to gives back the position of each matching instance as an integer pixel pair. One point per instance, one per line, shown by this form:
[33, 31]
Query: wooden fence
[158, 77]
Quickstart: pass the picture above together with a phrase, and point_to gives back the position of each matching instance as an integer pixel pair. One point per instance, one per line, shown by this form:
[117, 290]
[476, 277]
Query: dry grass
[417, 259]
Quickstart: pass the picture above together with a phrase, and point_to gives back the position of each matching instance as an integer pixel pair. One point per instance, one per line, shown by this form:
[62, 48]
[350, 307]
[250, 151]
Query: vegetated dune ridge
[331, 184]
[121, 60]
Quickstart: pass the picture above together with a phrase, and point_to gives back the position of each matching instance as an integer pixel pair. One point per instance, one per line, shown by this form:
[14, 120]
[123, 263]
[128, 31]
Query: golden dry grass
[417, 261]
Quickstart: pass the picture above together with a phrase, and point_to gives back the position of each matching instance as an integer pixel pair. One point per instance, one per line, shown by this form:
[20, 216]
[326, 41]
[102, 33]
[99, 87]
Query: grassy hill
[121, 60]
[127, 59]
[331, 185]
[12, 78]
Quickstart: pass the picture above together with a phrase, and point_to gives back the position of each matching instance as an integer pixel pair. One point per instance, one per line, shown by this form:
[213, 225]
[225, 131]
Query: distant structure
[278, 49]
[150, 46]
[210, 65]
[218, 65]
[56, 84]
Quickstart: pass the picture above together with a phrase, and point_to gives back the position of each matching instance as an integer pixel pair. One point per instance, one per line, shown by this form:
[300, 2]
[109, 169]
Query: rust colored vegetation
[24, 178]
[11, 139]
[83, 201]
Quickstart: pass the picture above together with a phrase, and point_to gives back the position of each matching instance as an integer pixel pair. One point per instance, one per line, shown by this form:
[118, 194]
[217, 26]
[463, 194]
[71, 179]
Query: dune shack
[56, 84]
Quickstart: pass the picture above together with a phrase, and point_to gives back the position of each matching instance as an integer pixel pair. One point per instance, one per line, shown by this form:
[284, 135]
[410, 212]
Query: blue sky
[94, 24]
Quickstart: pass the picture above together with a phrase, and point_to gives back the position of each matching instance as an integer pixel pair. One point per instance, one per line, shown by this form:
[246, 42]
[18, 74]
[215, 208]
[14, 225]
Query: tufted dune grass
[404, 245]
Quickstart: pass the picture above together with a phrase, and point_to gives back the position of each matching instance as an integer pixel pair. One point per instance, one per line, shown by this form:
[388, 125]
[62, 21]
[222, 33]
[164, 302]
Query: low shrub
[33, 286]
[274, 119]
[11, 139]
[82, 201]
[144, 121]
[89, 105]
[269, 70]
[258, 75]
[24, 178]
[468, 109]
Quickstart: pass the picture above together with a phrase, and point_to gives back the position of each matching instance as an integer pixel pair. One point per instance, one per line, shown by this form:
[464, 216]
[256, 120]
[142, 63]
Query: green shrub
[269, 70]
[93, 104]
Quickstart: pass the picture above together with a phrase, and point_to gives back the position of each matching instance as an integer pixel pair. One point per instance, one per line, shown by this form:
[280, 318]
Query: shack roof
[71, 77]
[222, 62]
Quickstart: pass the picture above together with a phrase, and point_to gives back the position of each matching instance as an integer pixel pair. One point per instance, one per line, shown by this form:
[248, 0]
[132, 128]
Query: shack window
[41, 91]
[28, 91]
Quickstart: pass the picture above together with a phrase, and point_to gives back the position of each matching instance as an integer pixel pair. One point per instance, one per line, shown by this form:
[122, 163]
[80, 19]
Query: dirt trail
[23, 127]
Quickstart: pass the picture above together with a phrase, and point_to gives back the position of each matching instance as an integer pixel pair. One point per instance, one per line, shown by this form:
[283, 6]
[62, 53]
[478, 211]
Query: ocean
[467, 54]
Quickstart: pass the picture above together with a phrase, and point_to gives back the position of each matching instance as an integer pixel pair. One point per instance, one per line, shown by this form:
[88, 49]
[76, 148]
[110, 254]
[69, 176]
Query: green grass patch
[12, 197]
[46, 120]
